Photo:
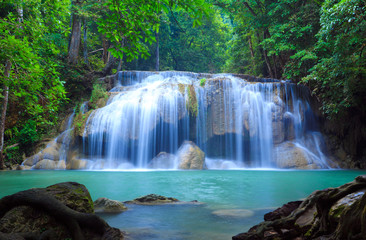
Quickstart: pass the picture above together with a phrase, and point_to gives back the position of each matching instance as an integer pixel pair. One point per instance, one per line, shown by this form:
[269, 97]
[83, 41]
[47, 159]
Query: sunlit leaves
[129, 24]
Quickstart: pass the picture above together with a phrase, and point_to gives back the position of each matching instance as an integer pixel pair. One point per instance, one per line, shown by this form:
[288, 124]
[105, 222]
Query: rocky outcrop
[283, 211]
[108, 206]
[333, 213]
[152, 199]
[60, 211]
[190, 156]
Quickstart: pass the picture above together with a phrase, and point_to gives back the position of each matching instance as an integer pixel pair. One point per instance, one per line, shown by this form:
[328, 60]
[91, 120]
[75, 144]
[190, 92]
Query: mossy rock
[57, 209]
[80, 123]
[153, 199]
[192, 104]
[74, 195]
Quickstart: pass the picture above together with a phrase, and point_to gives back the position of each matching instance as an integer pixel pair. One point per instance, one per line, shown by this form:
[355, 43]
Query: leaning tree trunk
[3, 112]
[75, 39]
[85, 43]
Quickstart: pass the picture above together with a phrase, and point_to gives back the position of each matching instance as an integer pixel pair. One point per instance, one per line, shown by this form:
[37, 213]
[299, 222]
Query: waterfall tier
[237, 122]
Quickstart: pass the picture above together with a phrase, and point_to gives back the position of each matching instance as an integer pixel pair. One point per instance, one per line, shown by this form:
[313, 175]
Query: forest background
[52, 51]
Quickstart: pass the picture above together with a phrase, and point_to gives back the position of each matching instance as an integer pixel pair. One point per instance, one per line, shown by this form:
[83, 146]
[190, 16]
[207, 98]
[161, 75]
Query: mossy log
[74, 221]
[352, 224]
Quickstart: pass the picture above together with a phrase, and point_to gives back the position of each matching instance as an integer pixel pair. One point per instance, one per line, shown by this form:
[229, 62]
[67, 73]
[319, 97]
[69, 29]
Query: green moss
[98, 97]
[182, 88]
[192, 104]
[336, 213]
[79, 123]
[202, 82]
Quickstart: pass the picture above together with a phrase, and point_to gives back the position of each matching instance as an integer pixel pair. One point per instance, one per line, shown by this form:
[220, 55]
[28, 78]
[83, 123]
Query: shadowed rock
[332, 213]
[59, 211]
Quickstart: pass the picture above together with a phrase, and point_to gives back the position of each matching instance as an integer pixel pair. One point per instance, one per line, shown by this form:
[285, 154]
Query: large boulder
[190, 156]
[288, 155]
[60, 211]
[332, 213]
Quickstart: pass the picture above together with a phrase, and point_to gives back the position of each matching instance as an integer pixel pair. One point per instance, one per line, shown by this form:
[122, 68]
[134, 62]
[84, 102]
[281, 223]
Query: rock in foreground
[333, 213]
[61, 211]
[153, 199]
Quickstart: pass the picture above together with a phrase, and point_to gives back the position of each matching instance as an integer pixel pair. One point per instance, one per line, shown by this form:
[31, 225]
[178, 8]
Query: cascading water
[236, 123]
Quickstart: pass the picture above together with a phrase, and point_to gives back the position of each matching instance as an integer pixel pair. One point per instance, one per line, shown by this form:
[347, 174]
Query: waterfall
[64, 139]
[236, 122]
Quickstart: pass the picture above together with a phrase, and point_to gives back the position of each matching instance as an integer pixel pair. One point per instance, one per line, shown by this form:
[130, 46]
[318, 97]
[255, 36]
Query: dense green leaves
[339, 77]
[130, 25]
[319, 43]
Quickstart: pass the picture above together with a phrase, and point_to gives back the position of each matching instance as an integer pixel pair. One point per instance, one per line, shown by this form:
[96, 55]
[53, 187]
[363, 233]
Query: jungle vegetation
[52, 51]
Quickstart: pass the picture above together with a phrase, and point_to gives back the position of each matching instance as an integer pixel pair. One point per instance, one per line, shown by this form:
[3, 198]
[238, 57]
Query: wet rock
[152, 199]
[108, 206]
[51, 152]
[77, 164]
[62, 210]
[283, 211]
[288, 155]
[342, 204]
[278, 132]
[190, 156]
[333, 213]
[45, 164]
[163, 161]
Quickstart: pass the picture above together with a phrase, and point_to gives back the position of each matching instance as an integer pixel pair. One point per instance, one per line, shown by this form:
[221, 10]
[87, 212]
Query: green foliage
[130, 25]
[320, 43]
[14, 155]
[339, 77]
[184, 48]
[98, 93]
[28, 135]
[202, 82]
[192, 105]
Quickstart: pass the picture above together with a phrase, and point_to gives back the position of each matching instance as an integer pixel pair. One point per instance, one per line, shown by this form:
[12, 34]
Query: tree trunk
[267, 59]
[3, 112]
[107, 70]
[157, 51]
[251, 47]
[119, 68]
[105, 44]
[75, 39]
[85, 43]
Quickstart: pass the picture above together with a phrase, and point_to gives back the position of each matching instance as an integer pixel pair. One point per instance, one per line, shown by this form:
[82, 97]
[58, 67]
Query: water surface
[256, 191]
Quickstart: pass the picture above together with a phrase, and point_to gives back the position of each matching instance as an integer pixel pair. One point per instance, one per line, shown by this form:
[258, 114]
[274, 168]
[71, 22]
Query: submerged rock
[234, 213]
[60, 211]
[108, 206]
[190, 156]
[333, 213]
[153, 199]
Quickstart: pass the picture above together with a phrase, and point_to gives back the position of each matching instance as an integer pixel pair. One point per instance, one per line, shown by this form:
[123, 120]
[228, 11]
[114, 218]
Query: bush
[28, 135]
[97, 93]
